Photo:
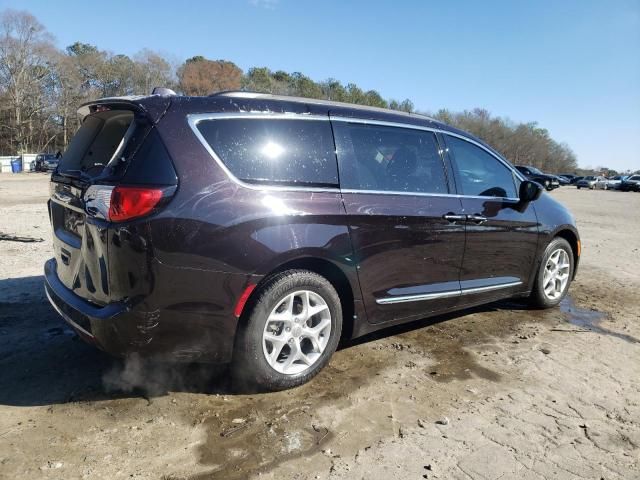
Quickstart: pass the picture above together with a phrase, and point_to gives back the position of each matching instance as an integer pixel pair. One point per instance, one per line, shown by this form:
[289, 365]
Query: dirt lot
[497, 392]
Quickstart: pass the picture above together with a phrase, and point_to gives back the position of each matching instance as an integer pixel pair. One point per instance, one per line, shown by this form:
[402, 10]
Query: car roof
[241, 101]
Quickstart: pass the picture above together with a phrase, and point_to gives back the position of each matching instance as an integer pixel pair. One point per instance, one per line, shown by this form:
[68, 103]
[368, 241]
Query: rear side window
[97, 141]
[392, 159]
[480, 173]
[274, 151]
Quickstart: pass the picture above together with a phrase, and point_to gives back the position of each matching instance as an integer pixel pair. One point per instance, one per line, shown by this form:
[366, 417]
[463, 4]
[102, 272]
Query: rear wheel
[554, 275]
[291, 332]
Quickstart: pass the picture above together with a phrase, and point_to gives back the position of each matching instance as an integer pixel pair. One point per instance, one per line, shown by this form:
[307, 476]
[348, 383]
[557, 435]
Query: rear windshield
[100, 138]
[274, 151]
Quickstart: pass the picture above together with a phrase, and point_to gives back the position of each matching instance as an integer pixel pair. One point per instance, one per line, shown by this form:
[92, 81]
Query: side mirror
[529, 191]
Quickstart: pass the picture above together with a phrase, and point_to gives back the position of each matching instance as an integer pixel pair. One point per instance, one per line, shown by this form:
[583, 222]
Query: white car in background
[615, 182]
[593, 182]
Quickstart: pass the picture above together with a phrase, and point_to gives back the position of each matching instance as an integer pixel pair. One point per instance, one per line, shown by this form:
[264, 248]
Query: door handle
[477, 219]
[452, 217]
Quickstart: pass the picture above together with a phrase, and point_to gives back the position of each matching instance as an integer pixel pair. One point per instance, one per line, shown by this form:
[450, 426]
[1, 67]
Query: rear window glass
[274, 151]
[96, 142]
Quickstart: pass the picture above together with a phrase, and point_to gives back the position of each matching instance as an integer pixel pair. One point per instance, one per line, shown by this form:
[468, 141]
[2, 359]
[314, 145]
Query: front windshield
[535, 170]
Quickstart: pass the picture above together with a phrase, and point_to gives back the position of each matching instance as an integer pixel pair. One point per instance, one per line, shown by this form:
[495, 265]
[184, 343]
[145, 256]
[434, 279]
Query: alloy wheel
[296, 332]
[556, 274]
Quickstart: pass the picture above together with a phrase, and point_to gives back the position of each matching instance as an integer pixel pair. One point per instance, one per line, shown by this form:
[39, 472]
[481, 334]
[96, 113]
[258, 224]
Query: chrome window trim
[447, 294]
[424, 194]
[194, 119]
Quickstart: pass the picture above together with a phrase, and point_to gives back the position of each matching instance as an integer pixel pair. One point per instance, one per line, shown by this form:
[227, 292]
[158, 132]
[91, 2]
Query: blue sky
[572, 66]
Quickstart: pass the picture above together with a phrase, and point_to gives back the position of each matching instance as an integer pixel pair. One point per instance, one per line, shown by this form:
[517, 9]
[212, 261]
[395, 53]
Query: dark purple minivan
[261, 229]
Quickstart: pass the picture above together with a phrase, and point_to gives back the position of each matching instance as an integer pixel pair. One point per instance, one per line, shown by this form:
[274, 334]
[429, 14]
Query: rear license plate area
[73, 222]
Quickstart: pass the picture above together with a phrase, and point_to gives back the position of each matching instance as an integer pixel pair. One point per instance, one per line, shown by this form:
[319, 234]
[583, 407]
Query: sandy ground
[496, 392]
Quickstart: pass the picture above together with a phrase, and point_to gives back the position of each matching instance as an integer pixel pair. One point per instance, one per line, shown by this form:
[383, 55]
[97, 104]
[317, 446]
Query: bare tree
[25, 51]
[152, 71]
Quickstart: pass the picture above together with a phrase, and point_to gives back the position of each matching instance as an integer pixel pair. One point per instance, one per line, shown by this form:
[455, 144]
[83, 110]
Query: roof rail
[235, 92]
[291, 98]
[163, 92]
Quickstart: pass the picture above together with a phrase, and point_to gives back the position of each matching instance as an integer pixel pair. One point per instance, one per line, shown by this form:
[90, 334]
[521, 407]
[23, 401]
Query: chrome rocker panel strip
[447, 294]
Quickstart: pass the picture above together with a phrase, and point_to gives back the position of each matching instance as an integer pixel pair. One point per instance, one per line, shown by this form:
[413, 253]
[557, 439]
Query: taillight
[132, 202]
[117, 204]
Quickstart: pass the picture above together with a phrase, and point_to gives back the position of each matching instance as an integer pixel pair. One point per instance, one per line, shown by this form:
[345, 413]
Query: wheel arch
[574, 241]
[327, 269]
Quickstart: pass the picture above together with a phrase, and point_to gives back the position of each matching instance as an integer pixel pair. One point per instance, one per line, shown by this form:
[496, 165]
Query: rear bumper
[76, 311]
[121, 329]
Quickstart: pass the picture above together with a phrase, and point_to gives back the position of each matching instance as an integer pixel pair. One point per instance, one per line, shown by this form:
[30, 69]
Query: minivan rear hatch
[117, 144]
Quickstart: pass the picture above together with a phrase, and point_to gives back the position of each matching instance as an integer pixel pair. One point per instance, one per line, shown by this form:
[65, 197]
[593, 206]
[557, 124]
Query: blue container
[16, 165]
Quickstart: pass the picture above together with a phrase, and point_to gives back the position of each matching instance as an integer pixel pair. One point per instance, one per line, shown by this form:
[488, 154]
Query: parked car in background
[593, 182]
[246, 238]
[616, 181]
[46, 162]
[549, 182]
[563, 180]
[631, 184]
[570, 176]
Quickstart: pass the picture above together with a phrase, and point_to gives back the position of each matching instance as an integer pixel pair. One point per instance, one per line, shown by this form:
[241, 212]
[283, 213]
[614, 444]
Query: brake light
[117, 204]
[131, 202]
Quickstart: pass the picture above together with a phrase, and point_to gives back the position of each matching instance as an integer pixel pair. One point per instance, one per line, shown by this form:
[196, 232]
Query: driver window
[480, 173]
[392, 159]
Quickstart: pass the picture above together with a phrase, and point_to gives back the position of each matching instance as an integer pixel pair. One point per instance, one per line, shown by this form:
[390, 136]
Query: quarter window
[480, 173]
[374, 157]
[274, 151]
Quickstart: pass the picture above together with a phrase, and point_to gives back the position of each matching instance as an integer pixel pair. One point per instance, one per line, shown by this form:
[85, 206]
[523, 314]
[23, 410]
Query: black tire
[579, 188]
[538, 298]
[250, 369]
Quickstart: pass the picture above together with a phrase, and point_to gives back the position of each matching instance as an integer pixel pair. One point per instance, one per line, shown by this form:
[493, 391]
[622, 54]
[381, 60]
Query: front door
[406, 228]
[502, 233]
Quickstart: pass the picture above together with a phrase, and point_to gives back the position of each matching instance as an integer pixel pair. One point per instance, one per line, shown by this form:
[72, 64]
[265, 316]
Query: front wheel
[554, 275]
[290, 333]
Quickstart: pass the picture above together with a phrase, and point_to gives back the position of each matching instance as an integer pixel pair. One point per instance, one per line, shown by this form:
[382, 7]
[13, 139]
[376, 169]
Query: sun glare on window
[272, 150]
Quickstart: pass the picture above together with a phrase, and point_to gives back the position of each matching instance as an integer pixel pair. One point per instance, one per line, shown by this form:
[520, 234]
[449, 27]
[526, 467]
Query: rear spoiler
[153, 106]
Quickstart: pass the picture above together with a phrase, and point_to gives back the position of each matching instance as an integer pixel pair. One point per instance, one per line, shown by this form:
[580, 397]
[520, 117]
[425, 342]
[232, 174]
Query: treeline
[41, 87]
[521, 143]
